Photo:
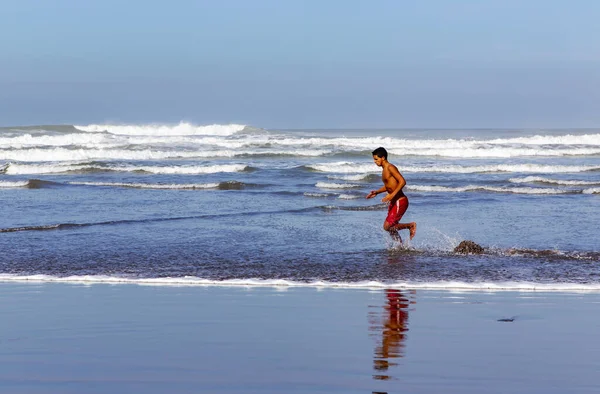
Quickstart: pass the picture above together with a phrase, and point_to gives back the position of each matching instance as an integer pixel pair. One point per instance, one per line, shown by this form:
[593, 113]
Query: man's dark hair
[380, 152]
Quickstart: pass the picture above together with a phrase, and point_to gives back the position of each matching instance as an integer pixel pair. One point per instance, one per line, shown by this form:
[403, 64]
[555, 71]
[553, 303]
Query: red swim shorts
[396, 210]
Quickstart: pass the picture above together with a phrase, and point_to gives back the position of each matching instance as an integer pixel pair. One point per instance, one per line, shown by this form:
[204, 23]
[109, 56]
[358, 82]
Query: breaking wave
[353, 168]
[182, 128]
[469, 188]
[57, 168]
[538, 179]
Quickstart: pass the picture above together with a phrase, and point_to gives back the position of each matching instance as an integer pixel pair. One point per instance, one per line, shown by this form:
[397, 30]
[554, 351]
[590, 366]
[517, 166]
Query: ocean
[232, 204]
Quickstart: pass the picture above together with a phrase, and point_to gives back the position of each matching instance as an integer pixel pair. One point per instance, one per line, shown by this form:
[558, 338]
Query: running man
[393, 182]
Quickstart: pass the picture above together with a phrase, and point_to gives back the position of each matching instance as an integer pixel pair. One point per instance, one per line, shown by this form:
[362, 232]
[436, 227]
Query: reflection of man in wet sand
[393, 332]
[393, 182]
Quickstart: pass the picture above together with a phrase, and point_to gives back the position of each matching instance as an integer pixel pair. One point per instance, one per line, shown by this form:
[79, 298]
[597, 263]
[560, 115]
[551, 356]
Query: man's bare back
[393, 183]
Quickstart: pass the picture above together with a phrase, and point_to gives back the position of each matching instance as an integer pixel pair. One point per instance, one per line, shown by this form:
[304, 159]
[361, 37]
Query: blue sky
[302, 64]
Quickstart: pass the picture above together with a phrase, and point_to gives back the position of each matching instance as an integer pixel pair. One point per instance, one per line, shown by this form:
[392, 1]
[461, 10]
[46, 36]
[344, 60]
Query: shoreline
[188, 281]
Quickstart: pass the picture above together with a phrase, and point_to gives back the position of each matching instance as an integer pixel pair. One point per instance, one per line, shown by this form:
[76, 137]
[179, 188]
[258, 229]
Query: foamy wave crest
[345, 167]
[27, 140]
[538, 179]
[568, 139]
[183, 128]
[283, 283]
[62, 154]
[327, 185]
[500, 147]
[535, 168]
[57, 168]
[192, 186]
[469, 188]
[348, 196]
[355, 178]
[318, 195]
[19, 169]
[13, 184]
[366, 168]
[593, 190]
[502, 152]
[185, 170]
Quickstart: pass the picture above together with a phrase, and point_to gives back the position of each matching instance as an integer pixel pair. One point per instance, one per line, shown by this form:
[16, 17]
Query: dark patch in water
[234, 185]
[507, 319]
[39, 184]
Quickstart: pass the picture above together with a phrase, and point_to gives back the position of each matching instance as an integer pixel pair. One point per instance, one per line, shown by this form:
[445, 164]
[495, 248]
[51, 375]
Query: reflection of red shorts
[395, 211]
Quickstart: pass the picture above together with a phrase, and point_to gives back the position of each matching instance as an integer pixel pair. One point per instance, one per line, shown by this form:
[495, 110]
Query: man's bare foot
[413, 229]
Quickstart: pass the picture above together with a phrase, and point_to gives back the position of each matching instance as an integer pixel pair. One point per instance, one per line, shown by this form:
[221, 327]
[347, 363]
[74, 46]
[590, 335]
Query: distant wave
[192, 186]
[82, 140]
[13, 184]
[82, 154]
[329, 185]
[182, 128]
[356, 177]
[227, 185]
[352, 168]
[284, 283]
[538, 179]
[341, 196]
[30, 184]
[57, 168]
[319, 195]
[469, 188]
[349, 196]
[568, 139]
[499, 152]
[155, 141]
[593, 190]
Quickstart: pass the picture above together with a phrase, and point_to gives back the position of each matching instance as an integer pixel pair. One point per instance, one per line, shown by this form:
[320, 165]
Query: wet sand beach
[100, 338]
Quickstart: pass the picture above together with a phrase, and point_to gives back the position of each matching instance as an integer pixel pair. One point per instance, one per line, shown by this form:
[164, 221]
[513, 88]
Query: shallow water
[222, 203]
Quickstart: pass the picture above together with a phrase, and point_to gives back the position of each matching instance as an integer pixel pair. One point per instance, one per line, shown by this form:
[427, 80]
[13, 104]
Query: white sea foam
[184, 170]
[229, 137]
[568, 139]
[57, 168]
[318, 195]
[593, 190]
[62, 154]
[406, 146]
[282, 283]
[13, 184]
[358, 168]
[469, 188]
[27, 140]
[188, 186]
[356, 177]
[532, 179]
[496, 152]
[345, 167]
[183, 128]
[328, 185]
